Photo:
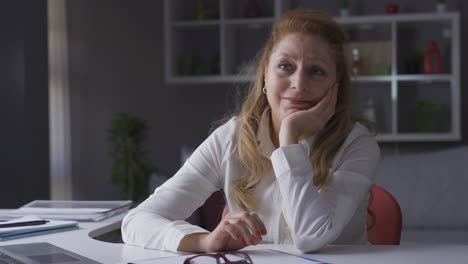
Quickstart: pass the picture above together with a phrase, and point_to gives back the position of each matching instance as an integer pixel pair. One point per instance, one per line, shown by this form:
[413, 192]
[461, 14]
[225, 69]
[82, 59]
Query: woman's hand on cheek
[305, 123]
[235, 232]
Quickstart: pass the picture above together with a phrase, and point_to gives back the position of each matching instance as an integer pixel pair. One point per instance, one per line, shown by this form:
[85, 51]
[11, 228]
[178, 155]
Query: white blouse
[291, 207]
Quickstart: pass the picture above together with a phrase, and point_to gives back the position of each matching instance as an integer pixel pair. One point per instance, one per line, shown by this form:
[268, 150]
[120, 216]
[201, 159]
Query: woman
[293, 164]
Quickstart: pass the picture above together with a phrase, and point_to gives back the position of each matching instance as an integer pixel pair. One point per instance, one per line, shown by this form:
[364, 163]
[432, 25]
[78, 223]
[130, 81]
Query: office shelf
[392, 84]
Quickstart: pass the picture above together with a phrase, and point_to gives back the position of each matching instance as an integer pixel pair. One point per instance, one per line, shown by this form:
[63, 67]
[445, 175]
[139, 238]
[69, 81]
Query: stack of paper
[27, 230]
[68, 210]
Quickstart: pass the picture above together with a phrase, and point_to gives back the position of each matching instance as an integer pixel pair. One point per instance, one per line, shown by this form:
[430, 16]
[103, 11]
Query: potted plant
[344, 8]
[130, 171]
[427, 116]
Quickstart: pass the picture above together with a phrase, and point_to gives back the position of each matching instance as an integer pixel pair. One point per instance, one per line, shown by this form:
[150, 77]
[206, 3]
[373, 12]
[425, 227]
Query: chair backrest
[384, 218]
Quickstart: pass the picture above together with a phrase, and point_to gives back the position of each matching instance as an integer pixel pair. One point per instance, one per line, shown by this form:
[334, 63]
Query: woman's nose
[299, 82]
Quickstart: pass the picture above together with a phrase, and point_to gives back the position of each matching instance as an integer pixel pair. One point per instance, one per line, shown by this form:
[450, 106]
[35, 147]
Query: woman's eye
[285, 66]
[317, 71]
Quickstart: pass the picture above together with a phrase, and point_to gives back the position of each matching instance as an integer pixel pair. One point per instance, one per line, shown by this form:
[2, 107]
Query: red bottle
[432, 52]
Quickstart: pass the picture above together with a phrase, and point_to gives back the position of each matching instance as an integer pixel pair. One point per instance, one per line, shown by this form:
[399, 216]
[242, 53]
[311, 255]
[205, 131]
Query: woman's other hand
[234, 232]
[305, 123]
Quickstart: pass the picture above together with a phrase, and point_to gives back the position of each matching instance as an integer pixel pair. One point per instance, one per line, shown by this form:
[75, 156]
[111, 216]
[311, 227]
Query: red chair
[384, 218]
[211, 210]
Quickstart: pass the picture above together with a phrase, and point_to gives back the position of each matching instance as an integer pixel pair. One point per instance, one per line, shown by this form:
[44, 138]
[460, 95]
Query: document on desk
[18, 230]
[68, 210]
[262, 256]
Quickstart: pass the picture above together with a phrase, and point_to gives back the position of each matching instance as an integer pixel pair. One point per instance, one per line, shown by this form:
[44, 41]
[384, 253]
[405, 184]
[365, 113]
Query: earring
[264, 90]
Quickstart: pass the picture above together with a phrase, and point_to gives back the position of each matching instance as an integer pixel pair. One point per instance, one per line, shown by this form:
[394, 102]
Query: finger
[325, 109]
[253, 224]
[254, 221]
[324, 102]
[332, 92]
[255, 240]
[241, 227]
[260, 224]
[232, 230]
[236, 240]
[245, 230]
[329, 111]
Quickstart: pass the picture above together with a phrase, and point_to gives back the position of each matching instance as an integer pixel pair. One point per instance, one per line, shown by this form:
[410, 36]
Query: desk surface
[81, 242]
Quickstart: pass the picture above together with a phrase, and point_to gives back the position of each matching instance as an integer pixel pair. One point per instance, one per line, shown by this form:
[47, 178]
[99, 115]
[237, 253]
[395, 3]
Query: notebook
[7, 233]
[68, 210]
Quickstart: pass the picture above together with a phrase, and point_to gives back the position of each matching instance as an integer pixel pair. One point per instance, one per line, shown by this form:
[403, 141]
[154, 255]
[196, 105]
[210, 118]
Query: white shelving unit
[228, 27]
[217, 47]
[447, 82]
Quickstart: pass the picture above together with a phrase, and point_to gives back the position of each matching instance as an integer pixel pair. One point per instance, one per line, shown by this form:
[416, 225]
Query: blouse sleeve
[157, 223]
[317, 218]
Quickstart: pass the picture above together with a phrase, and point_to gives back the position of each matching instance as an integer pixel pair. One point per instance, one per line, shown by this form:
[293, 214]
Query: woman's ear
[264, 81]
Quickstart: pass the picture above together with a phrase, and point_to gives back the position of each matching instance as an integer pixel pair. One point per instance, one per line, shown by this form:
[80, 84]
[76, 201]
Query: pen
[27, 223]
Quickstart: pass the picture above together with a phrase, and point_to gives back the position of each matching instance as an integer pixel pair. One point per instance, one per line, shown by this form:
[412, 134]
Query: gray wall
[24, 138]
[116, 65]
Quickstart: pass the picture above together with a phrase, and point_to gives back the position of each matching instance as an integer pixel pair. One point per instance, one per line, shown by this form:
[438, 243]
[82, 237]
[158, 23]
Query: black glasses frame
[222, 255]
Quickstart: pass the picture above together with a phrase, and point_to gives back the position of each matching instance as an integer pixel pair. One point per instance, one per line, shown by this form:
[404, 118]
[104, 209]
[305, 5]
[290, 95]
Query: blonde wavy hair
[330, 137]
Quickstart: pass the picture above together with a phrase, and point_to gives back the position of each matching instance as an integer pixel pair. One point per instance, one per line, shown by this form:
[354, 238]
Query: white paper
[6, 232]
[77, 204]
[68, 210]
[78, 211]
[263, 256]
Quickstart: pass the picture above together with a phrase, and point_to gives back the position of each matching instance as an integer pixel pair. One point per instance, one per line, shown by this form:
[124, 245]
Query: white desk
[81, 242]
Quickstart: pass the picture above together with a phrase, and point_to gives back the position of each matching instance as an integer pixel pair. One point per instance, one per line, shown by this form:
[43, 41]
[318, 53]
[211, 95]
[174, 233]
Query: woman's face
[301, 69]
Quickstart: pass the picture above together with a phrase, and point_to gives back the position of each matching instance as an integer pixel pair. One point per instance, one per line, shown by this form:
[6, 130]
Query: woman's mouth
[297, 101]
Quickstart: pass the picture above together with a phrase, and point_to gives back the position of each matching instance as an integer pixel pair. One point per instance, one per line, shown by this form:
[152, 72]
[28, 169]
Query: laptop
[40, 253]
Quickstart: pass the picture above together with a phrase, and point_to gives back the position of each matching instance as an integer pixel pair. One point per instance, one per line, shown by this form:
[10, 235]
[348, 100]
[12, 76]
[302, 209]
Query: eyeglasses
[221, 258]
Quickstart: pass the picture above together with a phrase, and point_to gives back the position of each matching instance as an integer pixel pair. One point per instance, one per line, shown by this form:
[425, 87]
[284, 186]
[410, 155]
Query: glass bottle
[368, 110]
[357, 64]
